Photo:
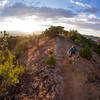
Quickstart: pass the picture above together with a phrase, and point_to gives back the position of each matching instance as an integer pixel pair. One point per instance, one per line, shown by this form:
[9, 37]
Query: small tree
[97, 49]
[9, 69]
[21, 47]
[72, 34]
[65, 33]
[86, 52]
[50, 52]
[76, 41]
[51, 61]
[53, 31]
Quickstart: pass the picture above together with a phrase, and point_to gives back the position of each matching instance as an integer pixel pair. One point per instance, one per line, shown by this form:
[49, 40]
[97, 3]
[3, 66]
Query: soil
[64, 83]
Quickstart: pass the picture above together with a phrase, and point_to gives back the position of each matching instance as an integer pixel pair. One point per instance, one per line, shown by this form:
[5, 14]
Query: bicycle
[74, 61]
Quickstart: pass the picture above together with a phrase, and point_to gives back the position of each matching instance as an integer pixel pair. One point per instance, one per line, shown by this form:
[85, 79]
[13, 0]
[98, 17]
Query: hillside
[62, 82]
[76, 85]
[48, 75]
[96, 39]
[65, 83]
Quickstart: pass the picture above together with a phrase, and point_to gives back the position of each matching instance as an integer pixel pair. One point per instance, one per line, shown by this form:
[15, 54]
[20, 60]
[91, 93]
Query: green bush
[97, 48]
[9, 68]
[21, 47]
[53, 31]
[86, 52]
[14, 40]
[73, 34]
[51, 61]
[50, 52]
[65, 33]
[76, 41]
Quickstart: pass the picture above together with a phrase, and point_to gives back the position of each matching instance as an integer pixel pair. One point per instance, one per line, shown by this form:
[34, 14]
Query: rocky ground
[83, 82]
[40, 82]
[59, 82]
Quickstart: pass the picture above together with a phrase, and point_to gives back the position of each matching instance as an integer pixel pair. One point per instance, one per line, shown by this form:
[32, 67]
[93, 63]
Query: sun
[23, 25]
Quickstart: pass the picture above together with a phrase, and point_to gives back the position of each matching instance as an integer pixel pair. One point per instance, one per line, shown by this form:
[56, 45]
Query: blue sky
[37, 15]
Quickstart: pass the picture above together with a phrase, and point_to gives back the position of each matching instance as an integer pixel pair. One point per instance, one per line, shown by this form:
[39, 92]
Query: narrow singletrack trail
[71, 86]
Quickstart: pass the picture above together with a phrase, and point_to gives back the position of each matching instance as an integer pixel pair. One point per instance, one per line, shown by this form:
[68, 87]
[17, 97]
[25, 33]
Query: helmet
[73, 46]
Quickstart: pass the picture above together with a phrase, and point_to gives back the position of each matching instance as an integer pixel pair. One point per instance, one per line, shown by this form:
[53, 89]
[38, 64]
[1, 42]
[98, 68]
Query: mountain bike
[74, 61]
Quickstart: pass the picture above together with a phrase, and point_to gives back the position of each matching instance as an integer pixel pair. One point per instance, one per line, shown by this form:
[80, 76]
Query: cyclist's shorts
[70, 59]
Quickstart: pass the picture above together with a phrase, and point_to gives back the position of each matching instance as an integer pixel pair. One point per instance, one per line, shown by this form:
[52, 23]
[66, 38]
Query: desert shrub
[9, 68]
[85, 43]
[73, 34]
[97, 48]
[76, 41]
[53, 31]
[65, 33]
[89, 42]
[33, 39]
[51, 61]
[86, 52]
[70, 35]
[21, 47]
[50, 52]
[14, 40]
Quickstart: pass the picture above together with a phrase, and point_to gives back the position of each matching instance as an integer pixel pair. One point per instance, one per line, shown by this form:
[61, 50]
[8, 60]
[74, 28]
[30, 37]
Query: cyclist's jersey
[73, 51]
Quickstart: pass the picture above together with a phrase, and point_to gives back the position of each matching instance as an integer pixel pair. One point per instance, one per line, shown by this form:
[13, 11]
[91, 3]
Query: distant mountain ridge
[94, 38]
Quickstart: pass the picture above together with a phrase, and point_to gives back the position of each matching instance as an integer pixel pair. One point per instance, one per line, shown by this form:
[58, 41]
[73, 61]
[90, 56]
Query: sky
[37, 15]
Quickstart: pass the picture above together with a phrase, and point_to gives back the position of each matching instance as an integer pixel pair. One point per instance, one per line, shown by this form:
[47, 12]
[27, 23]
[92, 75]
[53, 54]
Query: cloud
[3, 3]
[83, 22]
[86, 8]
[20, 9]
[41, 16]
[80, 4]
[92, 16]
[95, 27]
[94, 20]
[92, 10]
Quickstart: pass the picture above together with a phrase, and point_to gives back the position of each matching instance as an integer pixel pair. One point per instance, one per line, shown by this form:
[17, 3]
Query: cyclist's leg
[73, 62]
[70, 58]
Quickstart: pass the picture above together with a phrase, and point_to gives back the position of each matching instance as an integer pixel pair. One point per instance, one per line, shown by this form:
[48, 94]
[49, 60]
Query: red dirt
[75, 85]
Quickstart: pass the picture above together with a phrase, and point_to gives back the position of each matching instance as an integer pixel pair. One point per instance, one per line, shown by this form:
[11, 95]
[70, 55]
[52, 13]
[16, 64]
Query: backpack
[73, 51]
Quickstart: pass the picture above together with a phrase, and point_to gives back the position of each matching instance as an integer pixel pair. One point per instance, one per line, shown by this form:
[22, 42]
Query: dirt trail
[71, 86]
[74, 85]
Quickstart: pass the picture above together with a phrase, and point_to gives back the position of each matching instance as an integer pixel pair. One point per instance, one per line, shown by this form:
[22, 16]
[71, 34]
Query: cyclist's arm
[77, 53]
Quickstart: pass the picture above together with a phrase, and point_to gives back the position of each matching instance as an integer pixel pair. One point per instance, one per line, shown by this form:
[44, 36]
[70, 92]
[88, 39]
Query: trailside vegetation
[51, 60]
[10, 70]
[86, 52]
[53, 31]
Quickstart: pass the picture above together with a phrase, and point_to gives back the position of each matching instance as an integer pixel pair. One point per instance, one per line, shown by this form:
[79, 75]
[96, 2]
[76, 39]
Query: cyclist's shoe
[70, 61]
[70, 55]
[78, 57]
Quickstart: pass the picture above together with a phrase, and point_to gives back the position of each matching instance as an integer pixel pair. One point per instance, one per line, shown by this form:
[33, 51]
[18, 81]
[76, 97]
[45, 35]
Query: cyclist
[73, 53]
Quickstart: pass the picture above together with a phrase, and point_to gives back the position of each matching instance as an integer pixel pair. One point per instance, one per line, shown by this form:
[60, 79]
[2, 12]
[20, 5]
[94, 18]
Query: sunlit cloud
[92, 16]
[80, 4]
[3, 3]
[16, 24]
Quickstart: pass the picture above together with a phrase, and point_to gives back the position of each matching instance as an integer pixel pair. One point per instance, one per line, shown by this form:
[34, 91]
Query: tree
[73, 34]
[86, 52]
[65, 33]
[76, 41]
[53, 31]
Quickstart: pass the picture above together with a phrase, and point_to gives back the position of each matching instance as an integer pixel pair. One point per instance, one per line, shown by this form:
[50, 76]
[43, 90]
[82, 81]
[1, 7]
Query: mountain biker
[73, 52]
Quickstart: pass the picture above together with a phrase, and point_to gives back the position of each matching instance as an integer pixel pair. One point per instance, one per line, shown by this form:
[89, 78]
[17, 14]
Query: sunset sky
[37, 15]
